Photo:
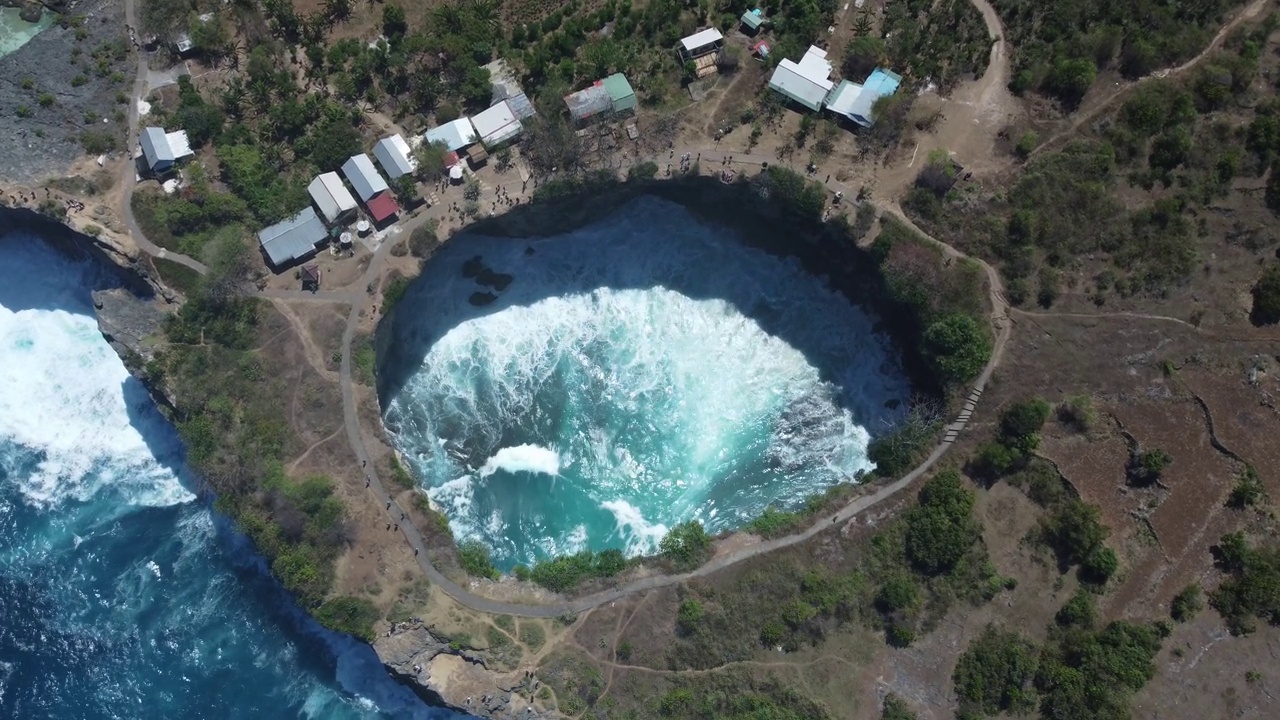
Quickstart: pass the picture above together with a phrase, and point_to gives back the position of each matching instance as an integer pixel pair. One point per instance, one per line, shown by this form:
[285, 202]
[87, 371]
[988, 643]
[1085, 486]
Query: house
[291, 240]
[382, 207]
[703, 42]
[521, 106]
[363, 177]
[496, 125]
[162, 150]
[621, 97]
[807, 82]
[855, 101]
[394, 156]
[588, 102]
[455, 135]
[331, 197]
[502, 80]
[760, 49]
[752, 21]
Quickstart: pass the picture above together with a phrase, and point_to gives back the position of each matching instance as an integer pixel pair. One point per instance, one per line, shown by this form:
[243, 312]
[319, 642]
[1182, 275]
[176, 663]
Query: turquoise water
[15, 32]
[637, 373]
[121, 595]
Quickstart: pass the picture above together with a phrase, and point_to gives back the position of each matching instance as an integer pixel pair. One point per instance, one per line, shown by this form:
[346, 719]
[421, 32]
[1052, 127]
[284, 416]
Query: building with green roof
[621, 96]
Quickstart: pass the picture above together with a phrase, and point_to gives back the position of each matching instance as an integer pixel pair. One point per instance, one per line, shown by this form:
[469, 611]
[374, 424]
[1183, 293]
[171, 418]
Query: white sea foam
[523, 458]
[66, 396]
[683, 374]
[641, 536]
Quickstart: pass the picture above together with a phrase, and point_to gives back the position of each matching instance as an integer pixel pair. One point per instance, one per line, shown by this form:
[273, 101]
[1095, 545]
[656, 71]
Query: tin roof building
[394, 156]
[363, 176]
[856, 101]
[621, 97]
[162, 150]
[588, 102]
[291, 240]
[497, 125]
[807, 82]
[455, 135]
[330, 196]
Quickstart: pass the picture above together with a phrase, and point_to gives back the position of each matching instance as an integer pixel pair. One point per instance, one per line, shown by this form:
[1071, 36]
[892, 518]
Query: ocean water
[16, 32]
[121, 594]
[637, 373]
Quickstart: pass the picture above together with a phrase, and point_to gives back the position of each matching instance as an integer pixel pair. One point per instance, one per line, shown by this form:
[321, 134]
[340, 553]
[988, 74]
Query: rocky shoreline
[65, 82]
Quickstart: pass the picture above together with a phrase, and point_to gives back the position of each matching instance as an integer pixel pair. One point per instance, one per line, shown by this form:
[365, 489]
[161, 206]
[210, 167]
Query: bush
[1099, 565]
[1079, 612]
[1089, 676]
[473, 556]
[97, 142]
[354, 616]
[1186, 603]
[956, 349]
[688, 616]
[773, 523]
[643, 171]
[898, 451]
[1073, 530]
[1077, 412]
[941, 529]
[1248, 491]
[1266, 297]
[995, 674]
[895, 708]
[1145, 467]
[565, 572]
[687, 544]
[1249, 592]
[532, 635]
[1023, 419]
[1026, 145]
[424, 239]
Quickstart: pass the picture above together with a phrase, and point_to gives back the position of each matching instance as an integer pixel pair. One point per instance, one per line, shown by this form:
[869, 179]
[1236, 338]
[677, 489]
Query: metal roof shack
[856, 101]
[331, 196]
[700, 43]
[752, 20]
[363, 176]
[291, 240]
[382, 207]
[394, 156]
[806, 82]
[621, 96]
[162, 150]
[588, 102]
[521, 106]
[455, 135]
[497, 125]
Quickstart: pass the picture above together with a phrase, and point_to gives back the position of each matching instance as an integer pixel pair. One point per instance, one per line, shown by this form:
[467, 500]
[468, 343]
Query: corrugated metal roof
[497, 124]
[700, 39]
[455, 135]
[382, 206]
[331, 196]
[179, 145]
[808, 81]
[394, 156]
[587, 102]
[363, 176]
[155, 147]
[856, 101]
[521, 106]
[292, 239]
[752, 19]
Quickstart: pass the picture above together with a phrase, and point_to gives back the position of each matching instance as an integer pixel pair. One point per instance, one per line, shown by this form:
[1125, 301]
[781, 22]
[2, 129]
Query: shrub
[688, 616]
[1249, 591]
[898, 593]
[1248, 491]
[1026, 144]
[565, 572]
[956, 349]
[46, 100]
[895, 708]
[1073, 530]
[1266, 297]
[1079, 612]
[1024, 418]
[995, 674]
[1099, 565]
[643, 171]
[1077, 411]
[473, 556]
[23, 111]
[1145, 467]
[354, 616]
[424, 239]
[1186, 603]
[941, 529]
[686, 544]
[1089, 676]
[532, 634]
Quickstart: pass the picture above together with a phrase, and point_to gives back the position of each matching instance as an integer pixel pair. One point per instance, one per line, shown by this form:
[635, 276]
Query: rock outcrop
[456, 678]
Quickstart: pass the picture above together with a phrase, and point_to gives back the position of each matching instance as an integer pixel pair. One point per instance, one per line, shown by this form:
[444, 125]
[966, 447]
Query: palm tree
[484, 12]
[862, 26]
[338, 10]
[450, 19]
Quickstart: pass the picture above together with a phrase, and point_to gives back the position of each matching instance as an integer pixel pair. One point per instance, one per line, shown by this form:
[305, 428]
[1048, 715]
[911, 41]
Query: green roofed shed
[621, 96]
[752, 20]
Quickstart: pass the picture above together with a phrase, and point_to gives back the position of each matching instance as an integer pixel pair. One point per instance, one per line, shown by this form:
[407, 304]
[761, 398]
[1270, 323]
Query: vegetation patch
[1249, 592]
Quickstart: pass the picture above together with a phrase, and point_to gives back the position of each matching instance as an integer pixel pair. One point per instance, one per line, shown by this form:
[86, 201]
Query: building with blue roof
[856, 101]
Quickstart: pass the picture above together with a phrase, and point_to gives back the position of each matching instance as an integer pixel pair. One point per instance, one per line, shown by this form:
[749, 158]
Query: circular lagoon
[593, 389]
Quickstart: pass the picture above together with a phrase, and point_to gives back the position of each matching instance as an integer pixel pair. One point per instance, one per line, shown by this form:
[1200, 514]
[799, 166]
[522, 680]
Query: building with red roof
[382, 207]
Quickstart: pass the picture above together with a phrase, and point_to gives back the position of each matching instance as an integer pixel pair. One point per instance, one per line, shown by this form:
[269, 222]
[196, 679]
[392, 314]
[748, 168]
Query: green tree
[1266, 293]
[1079, 612]
[995, 674]
[895, 708]
[1186, 603]
[941, 529]
[473, 556]
[686, 544]
[1070, 79]
[1074, 530]
[956, 349]
[862, 55]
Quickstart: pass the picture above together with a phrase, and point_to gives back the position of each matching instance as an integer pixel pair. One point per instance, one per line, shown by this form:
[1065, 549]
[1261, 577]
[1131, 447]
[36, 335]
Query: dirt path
[312, 352]
[1096, 106]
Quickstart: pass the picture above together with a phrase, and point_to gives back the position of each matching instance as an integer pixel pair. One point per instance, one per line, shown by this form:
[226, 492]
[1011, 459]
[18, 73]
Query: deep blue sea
[121, 595]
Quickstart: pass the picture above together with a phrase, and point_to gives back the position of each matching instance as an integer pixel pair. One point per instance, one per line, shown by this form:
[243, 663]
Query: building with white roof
[455, 135]
[497, 125]
[394, 156]
[807, 82]
[856, 102]
[163, 150]
[363, 176]
[700, 43]
[331, 196]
